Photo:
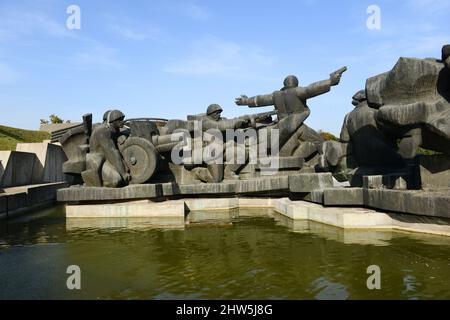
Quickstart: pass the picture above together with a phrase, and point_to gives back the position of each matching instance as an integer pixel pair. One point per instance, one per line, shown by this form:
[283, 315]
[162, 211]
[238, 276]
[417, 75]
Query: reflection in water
[123, 223]
[219, 255]
[327, 290]
[362, 237]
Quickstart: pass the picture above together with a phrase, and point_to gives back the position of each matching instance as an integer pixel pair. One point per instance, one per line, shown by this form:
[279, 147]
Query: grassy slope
[9, 137]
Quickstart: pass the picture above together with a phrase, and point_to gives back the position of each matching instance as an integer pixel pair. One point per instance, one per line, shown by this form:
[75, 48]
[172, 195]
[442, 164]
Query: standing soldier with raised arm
[290, 102]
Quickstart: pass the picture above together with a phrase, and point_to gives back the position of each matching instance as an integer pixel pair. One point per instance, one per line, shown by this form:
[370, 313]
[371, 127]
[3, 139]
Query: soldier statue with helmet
[104, 163]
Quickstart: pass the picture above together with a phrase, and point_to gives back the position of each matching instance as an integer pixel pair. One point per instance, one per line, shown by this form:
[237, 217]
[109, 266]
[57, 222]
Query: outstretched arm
[255, 102]
[314, 90]
[321, 87]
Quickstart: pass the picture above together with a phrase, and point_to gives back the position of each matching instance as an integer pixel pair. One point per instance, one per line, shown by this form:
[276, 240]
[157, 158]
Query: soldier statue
[104, 163]
[213, 120]
[290, 103]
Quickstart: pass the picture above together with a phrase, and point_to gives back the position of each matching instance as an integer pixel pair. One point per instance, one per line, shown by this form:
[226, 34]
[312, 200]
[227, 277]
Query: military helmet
[445, 52]
[114, 115]
[291, 82]
[360, 96]
[213, 108]
[105, 116]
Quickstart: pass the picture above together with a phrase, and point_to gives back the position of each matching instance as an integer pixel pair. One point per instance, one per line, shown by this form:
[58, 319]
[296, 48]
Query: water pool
[240, 255]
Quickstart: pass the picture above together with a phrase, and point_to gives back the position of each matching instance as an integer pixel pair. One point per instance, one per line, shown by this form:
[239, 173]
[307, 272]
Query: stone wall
[32, 163]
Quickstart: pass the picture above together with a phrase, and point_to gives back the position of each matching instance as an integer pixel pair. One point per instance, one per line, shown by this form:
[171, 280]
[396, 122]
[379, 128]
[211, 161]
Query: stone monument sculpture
[398, 113]
[393, 153]
[111, 155]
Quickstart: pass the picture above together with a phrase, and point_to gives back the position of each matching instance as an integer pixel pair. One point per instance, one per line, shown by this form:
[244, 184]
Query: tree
[327, 136]
[55, 119]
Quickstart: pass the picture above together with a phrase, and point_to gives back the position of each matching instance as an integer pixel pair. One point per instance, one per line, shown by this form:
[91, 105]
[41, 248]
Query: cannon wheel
[141, 158]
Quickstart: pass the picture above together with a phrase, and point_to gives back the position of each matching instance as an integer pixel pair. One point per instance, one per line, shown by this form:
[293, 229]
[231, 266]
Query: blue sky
[173, 58]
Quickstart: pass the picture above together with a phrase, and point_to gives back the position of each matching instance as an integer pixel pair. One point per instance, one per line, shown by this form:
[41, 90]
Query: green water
[239, 256]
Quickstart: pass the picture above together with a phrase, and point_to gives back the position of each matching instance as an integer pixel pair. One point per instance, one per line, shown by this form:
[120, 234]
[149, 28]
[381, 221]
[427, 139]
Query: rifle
[258, 117]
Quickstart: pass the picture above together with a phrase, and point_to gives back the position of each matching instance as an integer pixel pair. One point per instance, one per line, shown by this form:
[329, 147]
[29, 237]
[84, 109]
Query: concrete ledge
[43, 193]
[315, 188]
[263, 185]
[417, 202]
[20, 200]
[166, 209]
[197, 210]
[210, 188]
[212, 204]
[343, 197]
[356, 218]
[138, 209]
[309, 182]
[267, 185]
[17, 200]
[436, 204]
[132, 192]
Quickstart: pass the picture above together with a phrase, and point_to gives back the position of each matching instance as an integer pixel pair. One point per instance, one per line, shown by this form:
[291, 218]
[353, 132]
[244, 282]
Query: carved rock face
[414, 94]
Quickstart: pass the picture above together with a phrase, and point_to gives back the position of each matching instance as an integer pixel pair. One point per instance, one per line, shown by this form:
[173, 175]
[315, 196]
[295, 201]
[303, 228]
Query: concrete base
[417, 202]
[137, 209]
[316, 188]
[424, 203]
[194, 210]
[268, 185]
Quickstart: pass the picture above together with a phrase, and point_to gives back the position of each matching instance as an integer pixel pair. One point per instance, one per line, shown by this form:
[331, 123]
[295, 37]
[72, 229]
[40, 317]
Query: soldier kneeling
[104, 163]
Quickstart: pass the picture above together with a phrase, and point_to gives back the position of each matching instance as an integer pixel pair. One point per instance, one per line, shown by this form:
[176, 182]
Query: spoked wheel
[141, 158]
